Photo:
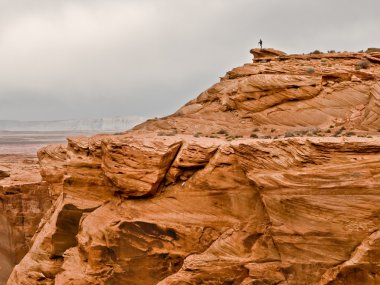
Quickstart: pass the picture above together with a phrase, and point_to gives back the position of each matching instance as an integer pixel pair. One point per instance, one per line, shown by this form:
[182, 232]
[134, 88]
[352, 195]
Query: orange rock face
[24, 198]
[268, 177]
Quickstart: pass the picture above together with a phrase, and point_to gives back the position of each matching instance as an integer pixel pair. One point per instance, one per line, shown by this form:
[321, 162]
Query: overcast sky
[72, 59]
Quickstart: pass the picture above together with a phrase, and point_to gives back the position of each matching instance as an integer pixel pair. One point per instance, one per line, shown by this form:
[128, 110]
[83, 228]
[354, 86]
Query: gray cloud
[67, 59]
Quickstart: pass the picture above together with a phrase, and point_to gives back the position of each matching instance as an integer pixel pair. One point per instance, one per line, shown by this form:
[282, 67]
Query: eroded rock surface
[271, 176]
[266, 53]
[24, 199]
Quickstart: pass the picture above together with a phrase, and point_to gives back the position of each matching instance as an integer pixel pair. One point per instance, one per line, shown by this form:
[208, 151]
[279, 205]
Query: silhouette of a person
[261, 43]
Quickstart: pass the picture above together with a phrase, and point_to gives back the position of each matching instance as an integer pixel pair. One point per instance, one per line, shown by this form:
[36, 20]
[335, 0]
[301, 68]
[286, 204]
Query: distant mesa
[100, 124]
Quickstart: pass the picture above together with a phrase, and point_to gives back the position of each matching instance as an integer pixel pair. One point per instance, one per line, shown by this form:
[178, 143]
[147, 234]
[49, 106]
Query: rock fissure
[255, 187]
[357, 256]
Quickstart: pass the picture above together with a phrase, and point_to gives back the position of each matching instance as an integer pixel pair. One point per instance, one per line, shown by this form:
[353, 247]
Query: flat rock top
[18, 169]
[266, 52]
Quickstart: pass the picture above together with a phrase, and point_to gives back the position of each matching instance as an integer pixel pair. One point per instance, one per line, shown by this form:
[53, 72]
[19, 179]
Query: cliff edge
[270, 176]
[24, 199]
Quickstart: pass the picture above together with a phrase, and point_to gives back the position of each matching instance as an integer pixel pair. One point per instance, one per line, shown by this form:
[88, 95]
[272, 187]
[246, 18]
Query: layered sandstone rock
[268, 177]
[266, 53]
[24, 199]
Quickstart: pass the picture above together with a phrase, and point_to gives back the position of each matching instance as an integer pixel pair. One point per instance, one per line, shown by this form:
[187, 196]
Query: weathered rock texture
[271, 176]
[24, 198]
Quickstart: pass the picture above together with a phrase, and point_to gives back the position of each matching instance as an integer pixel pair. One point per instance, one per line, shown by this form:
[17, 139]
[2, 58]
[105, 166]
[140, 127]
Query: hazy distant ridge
[101, 124]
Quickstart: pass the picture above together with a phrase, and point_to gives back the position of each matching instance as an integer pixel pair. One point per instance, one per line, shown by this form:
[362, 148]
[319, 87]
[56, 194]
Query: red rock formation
[268, 177]
[266, 53]
[23, 202]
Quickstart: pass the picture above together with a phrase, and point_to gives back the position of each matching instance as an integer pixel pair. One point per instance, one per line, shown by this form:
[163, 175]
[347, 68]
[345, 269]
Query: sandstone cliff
[271, 176]
[24, 199]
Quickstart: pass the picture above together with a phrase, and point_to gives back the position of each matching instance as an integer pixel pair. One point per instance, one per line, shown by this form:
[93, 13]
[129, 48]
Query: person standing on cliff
[261, 43]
